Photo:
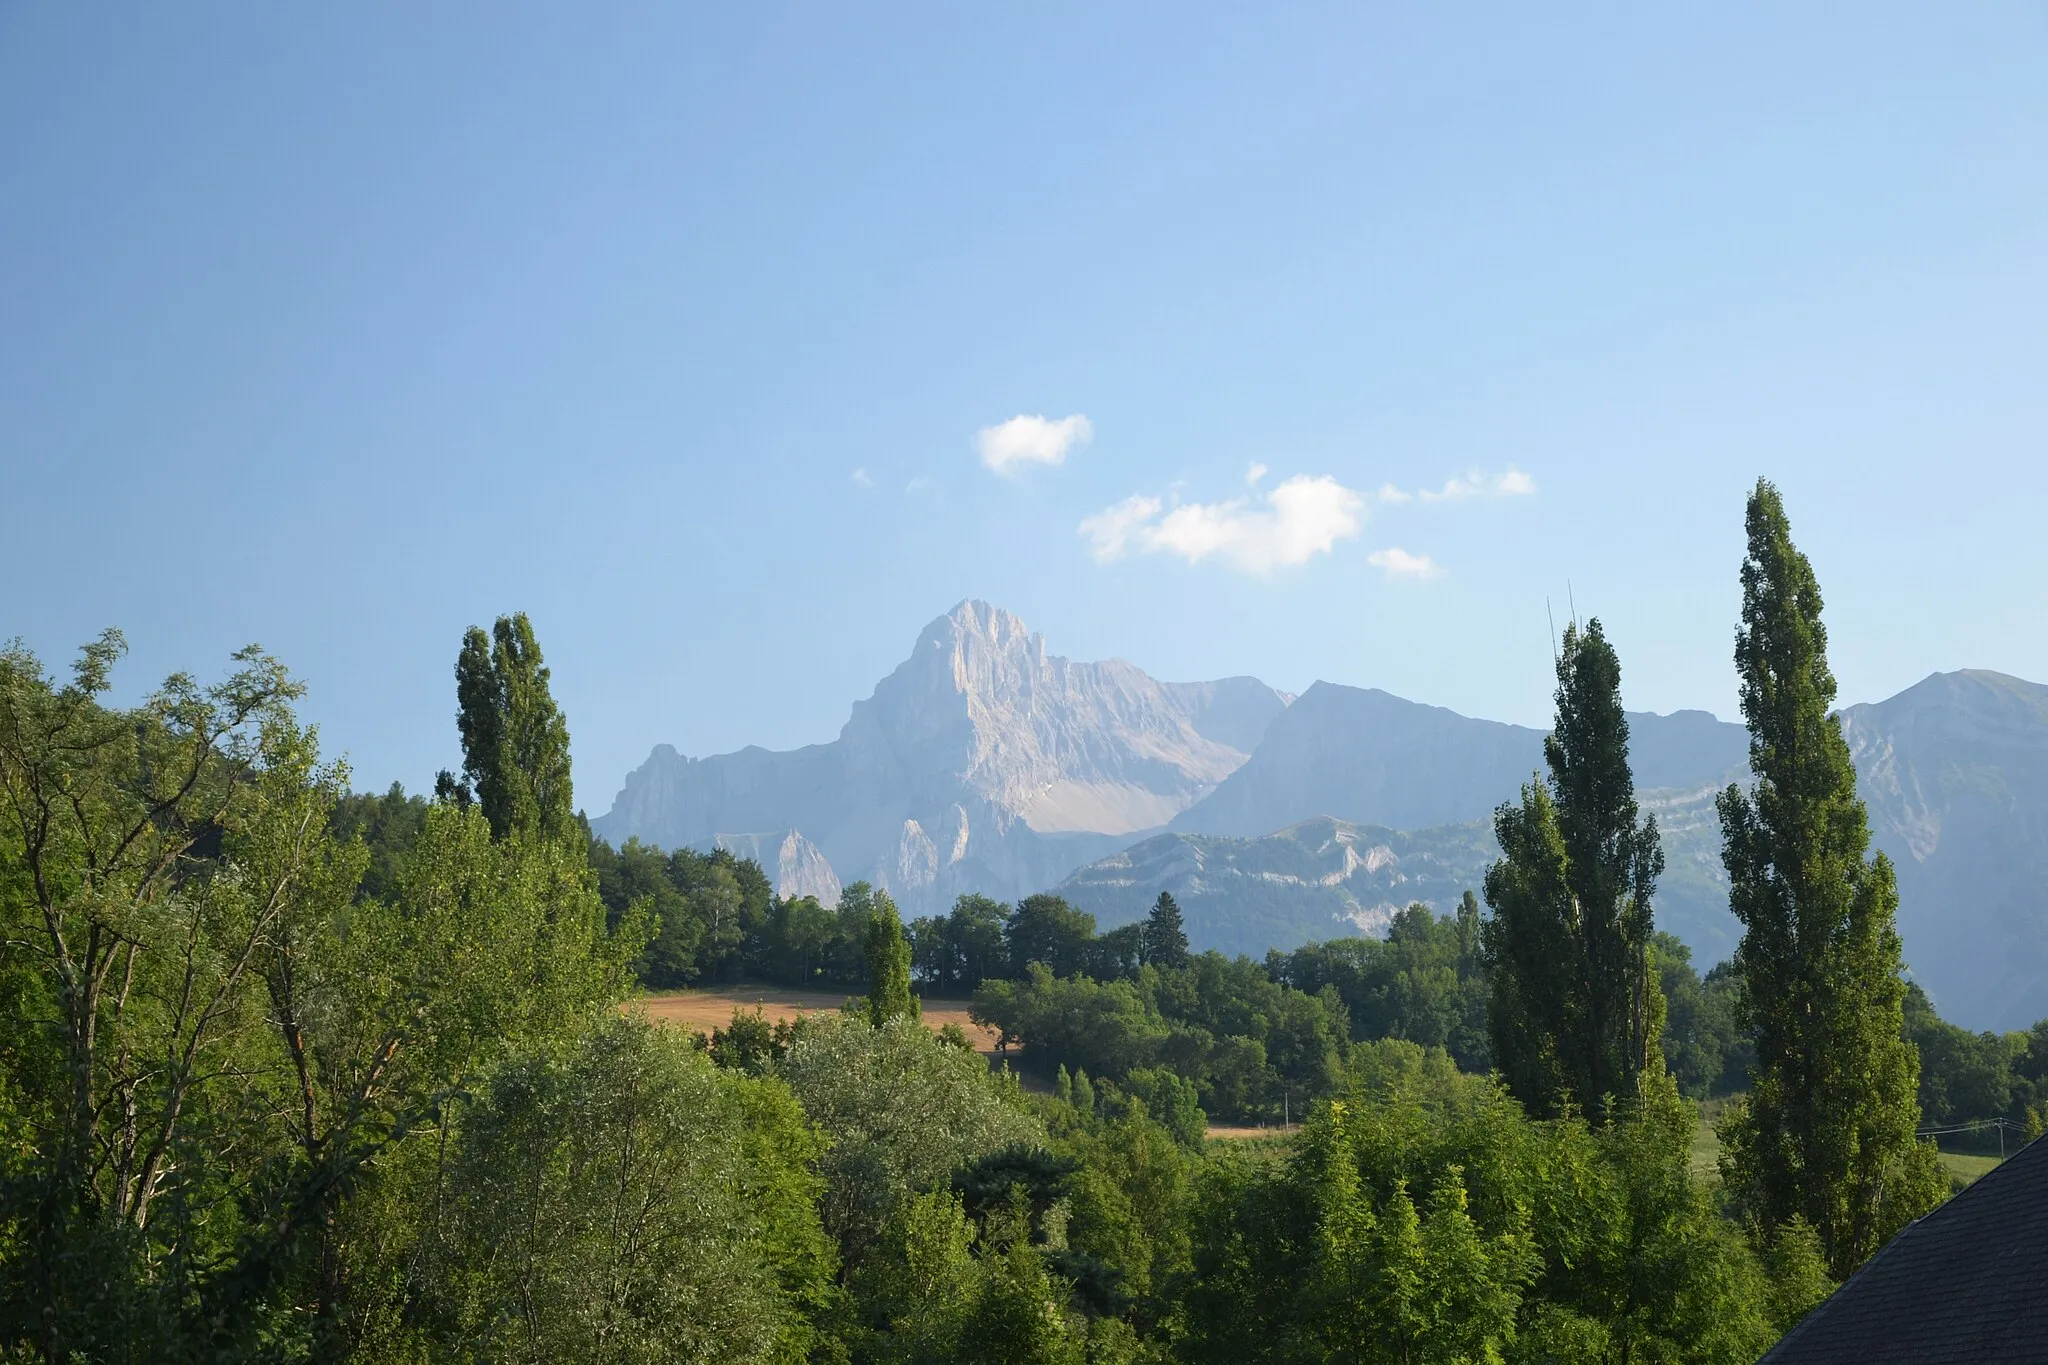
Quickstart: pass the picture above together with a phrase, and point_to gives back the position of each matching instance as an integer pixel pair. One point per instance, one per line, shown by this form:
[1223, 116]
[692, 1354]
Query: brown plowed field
[705, 1010]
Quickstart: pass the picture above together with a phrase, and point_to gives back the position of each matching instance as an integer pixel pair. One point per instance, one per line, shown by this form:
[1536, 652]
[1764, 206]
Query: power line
[1977, 1126]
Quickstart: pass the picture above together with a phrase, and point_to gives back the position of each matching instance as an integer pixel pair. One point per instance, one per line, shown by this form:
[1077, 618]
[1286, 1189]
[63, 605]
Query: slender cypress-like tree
[515, 742]
[888, 954]
[1165, 940]
[1576, 1008]
[1827, 1132]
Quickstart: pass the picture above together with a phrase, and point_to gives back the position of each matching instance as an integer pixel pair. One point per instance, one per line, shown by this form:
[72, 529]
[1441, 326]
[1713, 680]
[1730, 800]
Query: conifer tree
[1576, 1007]
[888, 955]
[515, 742]
[1166, 940]
[1827, 1134]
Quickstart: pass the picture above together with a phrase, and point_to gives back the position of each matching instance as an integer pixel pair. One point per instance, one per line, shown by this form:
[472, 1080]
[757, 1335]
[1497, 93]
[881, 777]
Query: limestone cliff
[983, 762]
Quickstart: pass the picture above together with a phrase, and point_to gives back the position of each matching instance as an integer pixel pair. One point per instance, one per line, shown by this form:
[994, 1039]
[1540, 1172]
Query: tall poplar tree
[515, 742]
[1576, 1008]
[1827, 1134]
[888, 955]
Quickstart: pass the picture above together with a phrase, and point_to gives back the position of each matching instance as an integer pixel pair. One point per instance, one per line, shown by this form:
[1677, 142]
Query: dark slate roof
[1968, 1282]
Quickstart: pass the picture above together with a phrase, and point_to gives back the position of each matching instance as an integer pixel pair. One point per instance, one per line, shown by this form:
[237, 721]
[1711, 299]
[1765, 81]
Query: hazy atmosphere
[680, 331]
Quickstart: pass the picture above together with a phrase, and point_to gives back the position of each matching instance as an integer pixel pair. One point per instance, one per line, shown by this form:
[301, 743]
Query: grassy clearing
[1253, 1132]
[1965, 1167]
[705, 1010]
[1706, 1144]
[1706, 1153]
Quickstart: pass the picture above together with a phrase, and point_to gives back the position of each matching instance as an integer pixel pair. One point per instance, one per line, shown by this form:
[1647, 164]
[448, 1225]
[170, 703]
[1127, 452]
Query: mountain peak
[1066, 746]
[950, 775]
[980, 620]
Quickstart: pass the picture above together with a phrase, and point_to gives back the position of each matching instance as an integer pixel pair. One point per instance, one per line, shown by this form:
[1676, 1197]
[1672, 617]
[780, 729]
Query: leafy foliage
[1827, 1134]
[1427, 1217]
[515, 742]
[1576, 1011]
[1425, 982]
[1703, 1044]
[626, 1201]
[219, 1050]
[1250, 1046]
[888, 956]
[902, 1112]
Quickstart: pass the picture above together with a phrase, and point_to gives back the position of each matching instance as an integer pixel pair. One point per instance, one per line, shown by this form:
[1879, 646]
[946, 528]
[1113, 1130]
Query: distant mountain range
[985, 763]
[1323, 877]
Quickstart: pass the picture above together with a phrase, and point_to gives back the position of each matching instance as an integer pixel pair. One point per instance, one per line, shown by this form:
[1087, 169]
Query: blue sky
[677, 327]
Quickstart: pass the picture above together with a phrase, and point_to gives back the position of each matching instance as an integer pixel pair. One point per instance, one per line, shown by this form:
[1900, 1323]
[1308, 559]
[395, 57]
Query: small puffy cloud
[1008, 446]
[863, 478]
[1513, 484]
[1110, 531]
[1253, 472]
[1389, 493]
[1396, 562]
[1301, 518]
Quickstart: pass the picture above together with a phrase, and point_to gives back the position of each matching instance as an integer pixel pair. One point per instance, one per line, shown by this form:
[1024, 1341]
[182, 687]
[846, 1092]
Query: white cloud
[1389, 493]
[1513, 484]
[1031, 440]
[1301, 518]
[1398, 563]
[861, 477]
[1109, 531]
[1253, 472]
[918, 484]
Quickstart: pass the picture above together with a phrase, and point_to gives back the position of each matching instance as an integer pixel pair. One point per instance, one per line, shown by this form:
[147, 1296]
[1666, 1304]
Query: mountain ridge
[986, 763]
[981, 762]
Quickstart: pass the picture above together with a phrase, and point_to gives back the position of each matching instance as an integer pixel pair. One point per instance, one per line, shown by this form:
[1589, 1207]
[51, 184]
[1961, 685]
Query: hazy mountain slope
[981, 763]
[1370, 757]
[1954, 771]
[1326, 878]
[793, 863]
[1318, 879]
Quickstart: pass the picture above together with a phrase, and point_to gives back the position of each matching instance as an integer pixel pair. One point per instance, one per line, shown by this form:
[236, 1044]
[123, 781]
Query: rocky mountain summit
[983, 762]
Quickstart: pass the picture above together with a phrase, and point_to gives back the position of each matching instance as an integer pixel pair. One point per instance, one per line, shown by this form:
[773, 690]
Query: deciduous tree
[1827, 1134]
[888, 955]
[1576, 1009]
[515, 742]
